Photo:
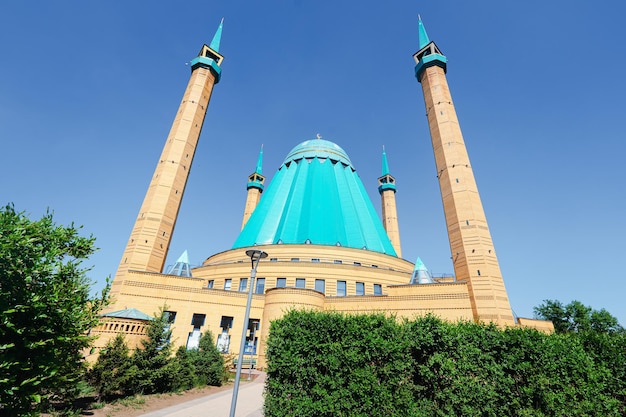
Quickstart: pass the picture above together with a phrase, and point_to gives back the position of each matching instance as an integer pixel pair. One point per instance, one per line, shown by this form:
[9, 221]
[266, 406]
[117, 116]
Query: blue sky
[88, 91]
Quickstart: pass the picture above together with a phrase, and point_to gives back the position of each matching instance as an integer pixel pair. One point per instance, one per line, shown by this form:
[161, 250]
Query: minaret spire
[385, 163]
[387, 190]
[473, 254]
[423, 36]
[149, 242]
[255, 188]
[217, 38]
[259, 163]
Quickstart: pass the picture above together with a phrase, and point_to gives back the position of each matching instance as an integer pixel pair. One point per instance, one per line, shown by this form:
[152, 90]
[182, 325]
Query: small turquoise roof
[182, 268]
[316, 197]
[385, 164]
[217, 38]
[129, 313]
[423, 36]
[259, 163]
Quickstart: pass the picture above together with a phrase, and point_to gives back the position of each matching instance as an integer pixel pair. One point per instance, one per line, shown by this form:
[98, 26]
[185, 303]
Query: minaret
[473, 254]
[255, 189]
[149, 241]
[387, 190]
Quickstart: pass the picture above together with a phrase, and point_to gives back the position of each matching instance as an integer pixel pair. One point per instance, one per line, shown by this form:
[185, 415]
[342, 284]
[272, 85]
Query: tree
[150, 365]
[46, 310]
[110, 373]
[208, 361]
[577, 317]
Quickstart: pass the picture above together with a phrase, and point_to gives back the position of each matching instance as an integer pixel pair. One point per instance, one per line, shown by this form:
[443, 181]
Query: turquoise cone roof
[316, 197]
[423, 36]
[217, 38]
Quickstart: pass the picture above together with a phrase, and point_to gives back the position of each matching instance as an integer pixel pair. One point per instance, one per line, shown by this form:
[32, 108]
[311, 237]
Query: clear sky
[88, 91]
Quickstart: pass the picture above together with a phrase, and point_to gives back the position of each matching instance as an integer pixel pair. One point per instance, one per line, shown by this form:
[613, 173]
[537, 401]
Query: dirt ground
[147, 403]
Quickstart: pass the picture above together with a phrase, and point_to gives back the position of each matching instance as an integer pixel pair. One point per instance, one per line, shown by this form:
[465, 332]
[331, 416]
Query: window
[260, 286]
[357, 264]
[169, 316]
[374, 266]
[341, 288]
[281, 282]
[338, 261]
[315, 260]
[273, 259]
[243, 284]
[226, 322]
[251, 338]
[295, 259]
[360, 288]
[227, 283]
[300, 283]
[197, 321]
[378, 289]
[320, 285]
[223, 340]
[210, 284]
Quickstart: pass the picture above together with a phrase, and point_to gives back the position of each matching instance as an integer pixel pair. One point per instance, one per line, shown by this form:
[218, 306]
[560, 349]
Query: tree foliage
[329, 364]
[45, 310]
[152, 368]
[577, 317]
[208, 362]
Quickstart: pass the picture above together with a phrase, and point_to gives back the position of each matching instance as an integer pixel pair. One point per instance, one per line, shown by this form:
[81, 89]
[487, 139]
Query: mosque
[326, 247]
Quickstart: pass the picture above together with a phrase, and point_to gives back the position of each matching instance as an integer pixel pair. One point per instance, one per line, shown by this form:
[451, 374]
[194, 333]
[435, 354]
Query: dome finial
[318, 136]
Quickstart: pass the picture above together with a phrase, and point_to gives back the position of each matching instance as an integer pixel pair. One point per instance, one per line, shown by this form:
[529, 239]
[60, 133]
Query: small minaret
[150, 238]
[473, 254]
[387, 190]
[255, 189]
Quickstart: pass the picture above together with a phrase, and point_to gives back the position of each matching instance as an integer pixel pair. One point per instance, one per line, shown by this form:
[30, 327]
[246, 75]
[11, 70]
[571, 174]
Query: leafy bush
[45, 311]
[329, 364]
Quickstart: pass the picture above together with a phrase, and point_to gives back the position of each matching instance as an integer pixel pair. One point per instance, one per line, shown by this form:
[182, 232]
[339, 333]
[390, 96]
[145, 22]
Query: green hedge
[329, 364]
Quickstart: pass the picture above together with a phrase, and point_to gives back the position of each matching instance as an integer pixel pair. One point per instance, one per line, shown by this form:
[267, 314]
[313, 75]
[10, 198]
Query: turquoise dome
[316, 197]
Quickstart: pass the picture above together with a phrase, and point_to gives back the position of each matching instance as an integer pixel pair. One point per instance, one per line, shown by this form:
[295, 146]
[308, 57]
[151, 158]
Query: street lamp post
[255, 256]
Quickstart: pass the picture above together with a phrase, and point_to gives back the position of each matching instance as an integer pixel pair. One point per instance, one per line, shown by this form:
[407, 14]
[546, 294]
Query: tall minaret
[473, 254]
[149, 241]
[255, 189]
[387, 190]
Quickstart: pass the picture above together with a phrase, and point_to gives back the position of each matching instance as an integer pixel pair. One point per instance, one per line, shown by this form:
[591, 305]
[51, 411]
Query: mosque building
[328, 249]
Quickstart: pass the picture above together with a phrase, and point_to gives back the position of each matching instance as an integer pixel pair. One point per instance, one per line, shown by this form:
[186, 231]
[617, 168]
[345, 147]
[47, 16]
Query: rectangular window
[300, 283]
[251, 338]
[227, 283]
[197, 321]
[295, 259]
[260, 286]
[315, 260]
[341, 288]
[378, 289]
[210, 283]
[169, 316]
[320, 285]
[357, 264]
[273, 259]
[281, 282]
[360, 288]
[226, 322]
[338, 261]
[243, 284]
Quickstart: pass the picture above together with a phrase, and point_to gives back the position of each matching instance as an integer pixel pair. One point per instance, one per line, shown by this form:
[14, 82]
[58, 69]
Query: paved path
[249, 403]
